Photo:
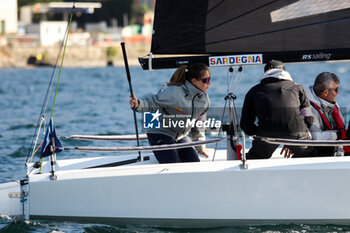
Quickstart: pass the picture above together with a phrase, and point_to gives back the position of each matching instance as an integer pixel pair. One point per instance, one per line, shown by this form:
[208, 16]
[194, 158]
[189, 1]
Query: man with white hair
[328, 121]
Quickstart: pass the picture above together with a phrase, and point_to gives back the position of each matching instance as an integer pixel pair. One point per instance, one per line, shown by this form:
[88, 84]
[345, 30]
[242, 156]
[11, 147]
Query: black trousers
[264, 150]
[172, 156]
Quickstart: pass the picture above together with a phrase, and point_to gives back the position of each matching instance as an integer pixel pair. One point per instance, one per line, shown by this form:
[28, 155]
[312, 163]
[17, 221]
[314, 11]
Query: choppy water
[95, 101]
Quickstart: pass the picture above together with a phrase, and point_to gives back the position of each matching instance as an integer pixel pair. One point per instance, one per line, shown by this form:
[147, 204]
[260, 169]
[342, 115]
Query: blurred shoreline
[75, 56]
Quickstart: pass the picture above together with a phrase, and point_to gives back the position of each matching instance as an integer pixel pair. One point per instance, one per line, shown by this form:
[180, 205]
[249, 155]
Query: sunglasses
[206, 80]
[334, 89]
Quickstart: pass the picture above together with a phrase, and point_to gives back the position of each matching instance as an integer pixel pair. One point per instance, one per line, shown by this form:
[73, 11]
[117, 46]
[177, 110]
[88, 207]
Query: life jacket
[338, 122]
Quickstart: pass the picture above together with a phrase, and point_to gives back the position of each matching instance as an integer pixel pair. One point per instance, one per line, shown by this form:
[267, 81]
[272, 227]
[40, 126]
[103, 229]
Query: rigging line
[43, 108]
[279, 30]
[239, 16]
[229, 79]
[235, 77]
[37, 138]
[46, 100]
[240, 75]
[220, 130]
[64, 52]
[235, 114]
[238, 79]
[33, 155]
[59, 74]
[33, 144]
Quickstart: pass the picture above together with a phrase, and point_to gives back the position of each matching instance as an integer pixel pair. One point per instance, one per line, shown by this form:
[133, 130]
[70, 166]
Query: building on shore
[8, 16]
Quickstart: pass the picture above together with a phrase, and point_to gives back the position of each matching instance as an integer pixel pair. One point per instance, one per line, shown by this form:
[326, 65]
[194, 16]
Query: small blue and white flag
[49, 135]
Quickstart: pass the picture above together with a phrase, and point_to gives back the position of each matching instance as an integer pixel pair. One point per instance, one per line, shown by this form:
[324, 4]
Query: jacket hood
[323, 104]
[191, 89]
[278, 74]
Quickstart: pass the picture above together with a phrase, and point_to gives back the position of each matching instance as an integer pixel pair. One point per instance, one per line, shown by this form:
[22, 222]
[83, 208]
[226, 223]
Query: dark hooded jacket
[277, 103]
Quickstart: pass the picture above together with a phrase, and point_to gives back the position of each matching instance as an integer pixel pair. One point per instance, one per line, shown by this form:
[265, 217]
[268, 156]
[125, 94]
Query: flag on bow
[50, 135]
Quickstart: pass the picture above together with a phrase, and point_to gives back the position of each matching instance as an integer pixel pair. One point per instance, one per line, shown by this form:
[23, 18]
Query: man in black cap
[278, 103]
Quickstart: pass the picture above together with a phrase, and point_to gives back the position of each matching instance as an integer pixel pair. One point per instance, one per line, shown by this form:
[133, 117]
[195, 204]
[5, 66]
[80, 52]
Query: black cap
[274, 64]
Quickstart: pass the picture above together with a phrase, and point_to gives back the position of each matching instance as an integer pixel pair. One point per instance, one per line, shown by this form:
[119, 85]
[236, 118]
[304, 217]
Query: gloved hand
[341, 134]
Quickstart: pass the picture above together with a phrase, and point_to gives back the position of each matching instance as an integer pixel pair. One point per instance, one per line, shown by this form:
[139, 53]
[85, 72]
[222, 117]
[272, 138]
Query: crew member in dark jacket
[278, 103]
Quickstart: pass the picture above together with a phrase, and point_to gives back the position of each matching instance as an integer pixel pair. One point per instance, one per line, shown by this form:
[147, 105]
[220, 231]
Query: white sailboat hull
[310, 190]
[10, 194]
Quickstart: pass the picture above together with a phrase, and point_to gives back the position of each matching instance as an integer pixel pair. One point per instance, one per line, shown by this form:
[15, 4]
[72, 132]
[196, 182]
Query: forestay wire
[64, 52]
[41, 118]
